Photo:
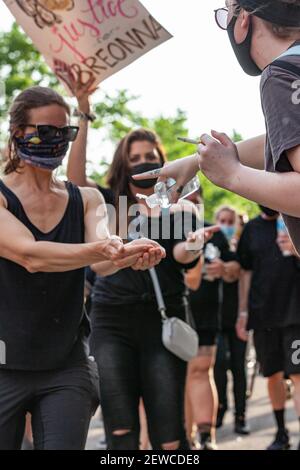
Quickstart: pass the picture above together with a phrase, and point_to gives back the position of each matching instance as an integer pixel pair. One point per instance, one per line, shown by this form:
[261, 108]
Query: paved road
[259, 417]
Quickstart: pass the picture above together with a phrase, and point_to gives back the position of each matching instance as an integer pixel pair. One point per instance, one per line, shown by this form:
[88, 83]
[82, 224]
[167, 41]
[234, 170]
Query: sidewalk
[259, 417]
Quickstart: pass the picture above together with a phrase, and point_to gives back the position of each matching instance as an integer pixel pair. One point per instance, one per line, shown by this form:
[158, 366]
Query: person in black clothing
[265, 37]
[126, 325]
[231, 350]
[269, 305]
[205, 283]
[49, 232]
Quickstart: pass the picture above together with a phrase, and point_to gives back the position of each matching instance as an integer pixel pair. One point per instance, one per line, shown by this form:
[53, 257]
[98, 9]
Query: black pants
[133, 363]
[231, 355]
[61, 403]
[275, 351]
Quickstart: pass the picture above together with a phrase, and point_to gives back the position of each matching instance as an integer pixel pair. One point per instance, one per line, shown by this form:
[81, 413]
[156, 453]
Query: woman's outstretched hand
[181, 170]
[217, 158]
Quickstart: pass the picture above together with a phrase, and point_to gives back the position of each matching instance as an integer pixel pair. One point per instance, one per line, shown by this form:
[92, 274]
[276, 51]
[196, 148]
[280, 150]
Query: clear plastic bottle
[281, 229]
[162, 192]
[211, 253]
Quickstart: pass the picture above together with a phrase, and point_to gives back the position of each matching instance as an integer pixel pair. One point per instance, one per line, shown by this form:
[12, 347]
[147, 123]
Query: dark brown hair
[34, 97]
[283, 32]
[117, 177]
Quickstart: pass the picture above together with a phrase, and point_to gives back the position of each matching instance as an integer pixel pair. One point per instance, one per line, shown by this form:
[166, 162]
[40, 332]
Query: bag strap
[158, 294]
[189, 317]
[295, 50]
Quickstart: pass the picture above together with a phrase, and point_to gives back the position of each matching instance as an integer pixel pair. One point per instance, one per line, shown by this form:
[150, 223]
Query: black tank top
[42, 322]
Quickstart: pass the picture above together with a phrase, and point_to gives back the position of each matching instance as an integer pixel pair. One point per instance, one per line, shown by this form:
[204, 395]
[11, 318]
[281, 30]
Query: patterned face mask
[45, 155]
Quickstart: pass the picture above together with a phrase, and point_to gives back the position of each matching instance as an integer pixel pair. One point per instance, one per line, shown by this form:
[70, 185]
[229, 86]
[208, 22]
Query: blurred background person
[126, 324]
[269, 304]
[205, 282]
[231, 350]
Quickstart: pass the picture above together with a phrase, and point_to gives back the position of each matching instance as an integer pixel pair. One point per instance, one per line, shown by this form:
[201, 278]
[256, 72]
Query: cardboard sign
[88, 39]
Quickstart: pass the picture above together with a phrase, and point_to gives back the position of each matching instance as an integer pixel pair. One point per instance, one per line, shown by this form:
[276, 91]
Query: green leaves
[21, 65]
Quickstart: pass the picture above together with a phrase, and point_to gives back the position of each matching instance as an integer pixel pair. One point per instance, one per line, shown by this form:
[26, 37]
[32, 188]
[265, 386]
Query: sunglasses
[47, 132]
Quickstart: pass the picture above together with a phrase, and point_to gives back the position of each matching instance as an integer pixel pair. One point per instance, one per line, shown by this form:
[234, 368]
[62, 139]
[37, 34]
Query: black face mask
[142, 168]
[243, 50]
[268, 212]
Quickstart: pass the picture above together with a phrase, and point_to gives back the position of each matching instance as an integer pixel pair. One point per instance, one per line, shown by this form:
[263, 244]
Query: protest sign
[90, 39]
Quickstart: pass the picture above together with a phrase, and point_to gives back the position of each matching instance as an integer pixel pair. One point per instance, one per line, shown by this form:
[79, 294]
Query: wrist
[84, 106]
[243, 314]
[196, 162]
[234, 180]
[84, 116]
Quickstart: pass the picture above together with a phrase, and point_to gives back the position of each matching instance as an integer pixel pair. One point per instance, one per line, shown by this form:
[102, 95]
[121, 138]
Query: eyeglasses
[47, 132]
[221, 17]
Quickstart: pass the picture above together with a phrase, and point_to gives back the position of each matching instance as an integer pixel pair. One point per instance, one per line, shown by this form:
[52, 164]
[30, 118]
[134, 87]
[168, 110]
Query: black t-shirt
[128, 286]
[273, 298]
[230, 302]
[206, 301]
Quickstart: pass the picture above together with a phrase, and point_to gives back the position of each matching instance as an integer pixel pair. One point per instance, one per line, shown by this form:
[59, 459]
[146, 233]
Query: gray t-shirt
[281, 107]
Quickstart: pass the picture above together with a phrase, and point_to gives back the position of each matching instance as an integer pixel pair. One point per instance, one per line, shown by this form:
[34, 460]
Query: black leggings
[61, 403]
[133, 363]
[231, 354]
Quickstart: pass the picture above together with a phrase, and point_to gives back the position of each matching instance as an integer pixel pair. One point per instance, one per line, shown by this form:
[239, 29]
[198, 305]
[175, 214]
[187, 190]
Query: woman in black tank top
[49, 233]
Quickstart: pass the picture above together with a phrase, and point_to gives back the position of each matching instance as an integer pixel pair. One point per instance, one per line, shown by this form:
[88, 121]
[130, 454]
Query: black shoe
[220, 417]
[281, 442]
[241, 426]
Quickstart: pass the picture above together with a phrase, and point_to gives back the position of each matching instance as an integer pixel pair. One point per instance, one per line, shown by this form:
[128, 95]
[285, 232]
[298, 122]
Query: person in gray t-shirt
[260, 31]
[265, 36]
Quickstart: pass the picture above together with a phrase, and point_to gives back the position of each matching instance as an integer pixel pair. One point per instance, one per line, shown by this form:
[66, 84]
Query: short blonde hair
[225, 208]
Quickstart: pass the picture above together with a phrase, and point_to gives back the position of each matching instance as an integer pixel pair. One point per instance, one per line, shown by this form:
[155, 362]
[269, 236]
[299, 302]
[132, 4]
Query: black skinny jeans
[231, 355]
[133, 364]
[60, 401]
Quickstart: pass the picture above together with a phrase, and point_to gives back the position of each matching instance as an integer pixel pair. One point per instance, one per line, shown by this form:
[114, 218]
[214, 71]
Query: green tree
[21, 65]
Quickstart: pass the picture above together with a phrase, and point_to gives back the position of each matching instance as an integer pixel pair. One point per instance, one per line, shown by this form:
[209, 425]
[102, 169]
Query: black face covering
[243, 50]
[142, 168]
[268, 212]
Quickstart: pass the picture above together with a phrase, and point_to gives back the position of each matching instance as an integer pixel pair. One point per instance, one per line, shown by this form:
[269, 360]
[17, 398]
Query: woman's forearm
[61, 257]
[76, 169]
[244, 289]
[277, 191]
[193, 277]
[105, 268]
[184, 256]
[251, 152]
